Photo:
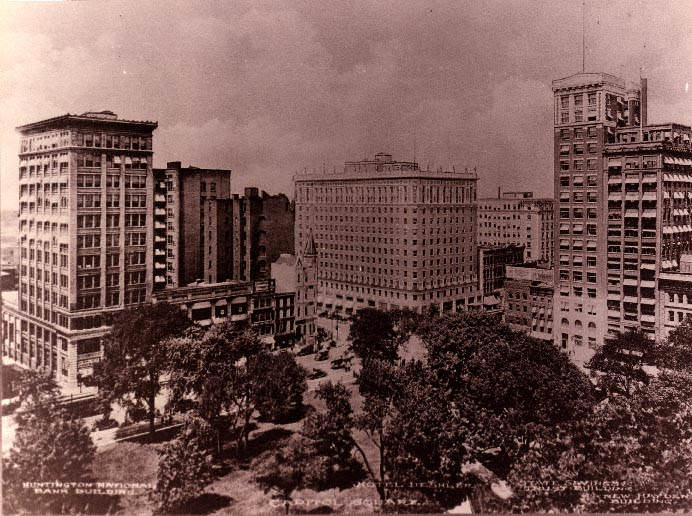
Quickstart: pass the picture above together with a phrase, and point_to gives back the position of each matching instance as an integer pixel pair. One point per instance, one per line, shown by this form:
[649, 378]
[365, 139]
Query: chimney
[642, 102]
[499, 189]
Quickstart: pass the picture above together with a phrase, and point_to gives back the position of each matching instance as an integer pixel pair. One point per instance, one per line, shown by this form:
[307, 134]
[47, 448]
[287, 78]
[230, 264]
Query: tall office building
[520, 219]
[85, 237]
[196, 227]
[623, 214]
[390, 235]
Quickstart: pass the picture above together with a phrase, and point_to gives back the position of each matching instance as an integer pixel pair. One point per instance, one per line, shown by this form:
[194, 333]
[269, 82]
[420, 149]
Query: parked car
[316, 373]
[323, 354]
[305, 350]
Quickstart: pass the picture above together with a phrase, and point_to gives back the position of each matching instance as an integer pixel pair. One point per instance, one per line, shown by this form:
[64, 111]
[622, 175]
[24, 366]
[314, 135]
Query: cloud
[267, 88]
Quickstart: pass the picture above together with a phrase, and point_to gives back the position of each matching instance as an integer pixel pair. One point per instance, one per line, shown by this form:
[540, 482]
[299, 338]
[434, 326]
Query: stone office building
[85, 237]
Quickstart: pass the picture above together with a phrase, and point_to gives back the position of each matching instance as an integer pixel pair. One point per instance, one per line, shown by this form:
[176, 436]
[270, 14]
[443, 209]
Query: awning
[631, 179]
[490, 300]
[128, 160]
[649, 266]
[667, 230]
[614, 163]
[116, 160]
[578, 227]
[666, 195]
[668, 160]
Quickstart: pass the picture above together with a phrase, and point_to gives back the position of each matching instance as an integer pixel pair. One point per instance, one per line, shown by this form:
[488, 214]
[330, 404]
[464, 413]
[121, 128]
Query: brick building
[390, 235]
[528, 300]
[195, 228]
[492, 264]
[520, 219]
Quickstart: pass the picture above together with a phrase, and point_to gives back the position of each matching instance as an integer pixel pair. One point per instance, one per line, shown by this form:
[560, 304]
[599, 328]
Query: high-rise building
[197, 227]
[623, 214]
[85, 237]
[262, 230]
[390, 235]
[520, 219]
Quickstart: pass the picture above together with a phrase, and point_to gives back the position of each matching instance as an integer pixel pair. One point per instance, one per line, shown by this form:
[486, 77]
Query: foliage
[621, 362]
[641, 445]
[329, 442]
[135, 357]
[185, 466]
[372, 335]
[286, 471]
[216, 367]
[49, 446]
[466, 415]
[280, 385]
[676, 351]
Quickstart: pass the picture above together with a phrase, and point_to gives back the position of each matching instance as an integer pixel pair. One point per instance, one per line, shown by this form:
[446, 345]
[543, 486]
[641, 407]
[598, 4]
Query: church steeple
[310, 247]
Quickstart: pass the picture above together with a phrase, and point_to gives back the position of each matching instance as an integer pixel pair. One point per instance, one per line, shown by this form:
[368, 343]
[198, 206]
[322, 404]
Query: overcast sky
[267, 89]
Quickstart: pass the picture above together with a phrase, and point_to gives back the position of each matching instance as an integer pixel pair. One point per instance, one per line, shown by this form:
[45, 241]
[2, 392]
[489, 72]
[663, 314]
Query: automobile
[305, 350]
[338, 363]
[316, 373]
[322, 355]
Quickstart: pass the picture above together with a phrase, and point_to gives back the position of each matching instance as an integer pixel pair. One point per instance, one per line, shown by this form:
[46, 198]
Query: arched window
[577, 323]
[565, 322]
[592, 326]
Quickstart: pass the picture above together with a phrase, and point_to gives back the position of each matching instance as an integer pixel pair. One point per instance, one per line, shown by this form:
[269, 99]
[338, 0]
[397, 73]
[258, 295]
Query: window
[112, 221]
[113, 259]
[88, 261]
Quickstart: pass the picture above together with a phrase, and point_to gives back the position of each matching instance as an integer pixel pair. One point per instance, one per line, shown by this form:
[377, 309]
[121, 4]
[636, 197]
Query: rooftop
[107, 118]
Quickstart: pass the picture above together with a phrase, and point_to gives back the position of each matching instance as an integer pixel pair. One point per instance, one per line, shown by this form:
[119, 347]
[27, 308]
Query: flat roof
[69, 119]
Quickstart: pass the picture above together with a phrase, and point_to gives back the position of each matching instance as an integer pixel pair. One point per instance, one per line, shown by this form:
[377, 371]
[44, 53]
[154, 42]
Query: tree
[642, 444]
[621, 362]
[329, 438]
[675, 352]
[286, 471]
[217, 367]
[185, 466]
[280, 385]
[49, 446]
[135, 356]
[372, 335]
[462, 417]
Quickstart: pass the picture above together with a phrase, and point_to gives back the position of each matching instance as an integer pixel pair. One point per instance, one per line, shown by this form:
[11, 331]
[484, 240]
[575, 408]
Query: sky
[269, 89]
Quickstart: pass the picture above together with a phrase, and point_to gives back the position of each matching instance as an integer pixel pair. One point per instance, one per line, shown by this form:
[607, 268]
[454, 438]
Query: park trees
[621, 362]
[228, 375]
[632, 454]
[372, 335]
[49, 446]
[280, 383]
[466, 413]
[135, 356]
[185, 466]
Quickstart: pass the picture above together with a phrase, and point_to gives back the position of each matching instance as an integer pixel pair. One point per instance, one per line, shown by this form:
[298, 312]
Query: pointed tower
[306, 292]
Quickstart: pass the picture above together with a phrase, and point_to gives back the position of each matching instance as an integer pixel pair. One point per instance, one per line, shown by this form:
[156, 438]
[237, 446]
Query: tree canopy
[49, 446]
[135, 356]
[620, 362]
